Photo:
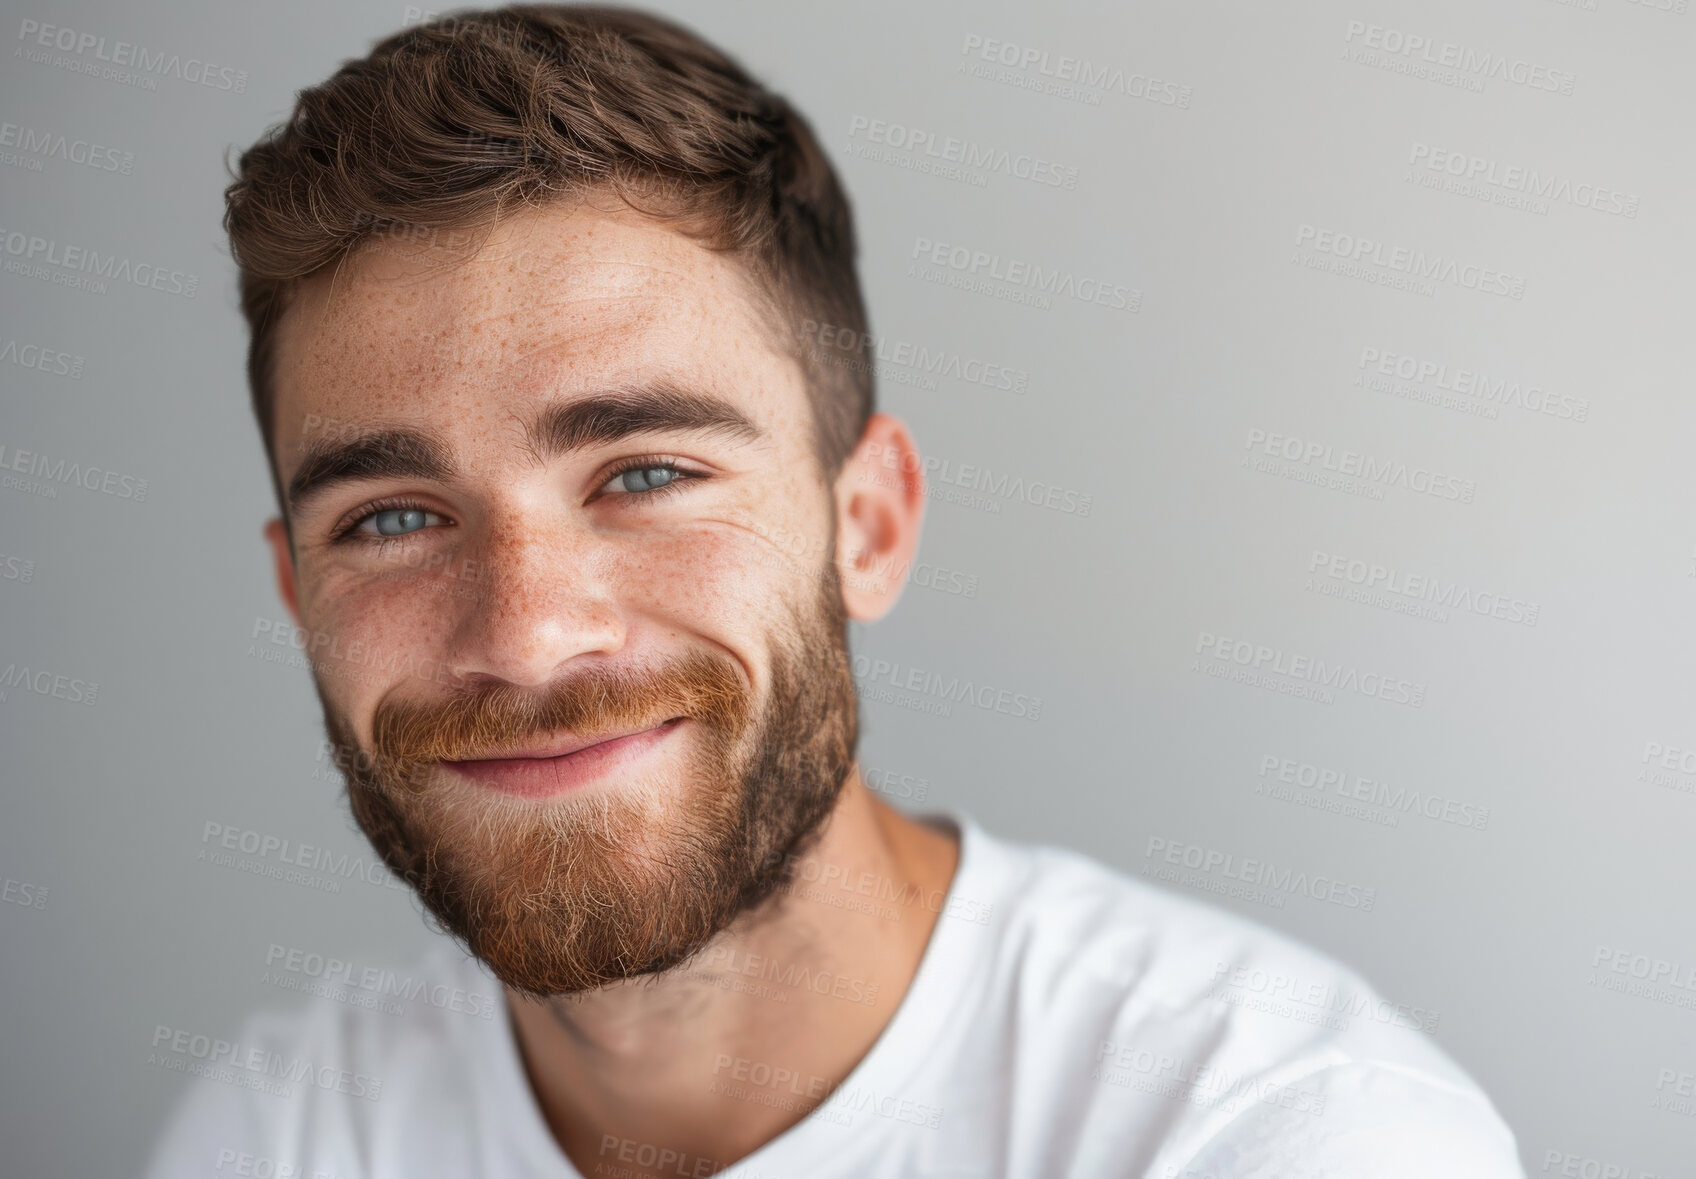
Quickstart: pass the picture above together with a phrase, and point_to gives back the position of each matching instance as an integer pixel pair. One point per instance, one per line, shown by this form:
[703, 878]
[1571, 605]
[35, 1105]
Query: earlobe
[880, 500]
[282, 558]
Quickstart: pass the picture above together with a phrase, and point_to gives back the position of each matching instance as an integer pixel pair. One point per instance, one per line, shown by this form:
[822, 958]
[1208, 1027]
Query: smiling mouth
[545, 769]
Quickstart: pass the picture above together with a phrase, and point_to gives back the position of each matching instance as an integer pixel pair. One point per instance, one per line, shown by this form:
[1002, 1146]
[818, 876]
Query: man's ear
[282, 555]
[880, 510]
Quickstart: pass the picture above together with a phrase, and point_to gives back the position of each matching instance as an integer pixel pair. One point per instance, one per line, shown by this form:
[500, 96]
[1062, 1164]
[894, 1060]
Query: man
[575, 506]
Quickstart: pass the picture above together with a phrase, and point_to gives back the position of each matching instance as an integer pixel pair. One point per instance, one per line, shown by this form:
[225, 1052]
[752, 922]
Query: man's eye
[396, 522]
[645, 480]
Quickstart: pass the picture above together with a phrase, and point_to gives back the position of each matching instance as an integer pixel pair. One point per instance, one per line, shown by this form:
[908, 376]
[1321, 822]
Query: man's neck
[702, 1065]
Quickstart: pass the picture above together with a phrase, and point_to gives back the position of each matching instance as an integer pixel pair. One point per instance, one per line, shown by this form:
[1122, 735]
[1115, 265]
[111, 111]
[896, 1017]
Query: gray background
[114, 924]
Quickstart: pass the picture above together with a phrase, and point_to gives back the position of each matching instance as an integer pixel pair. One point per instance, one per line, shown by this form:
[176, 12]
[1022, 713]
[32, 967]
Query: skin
[566, 566]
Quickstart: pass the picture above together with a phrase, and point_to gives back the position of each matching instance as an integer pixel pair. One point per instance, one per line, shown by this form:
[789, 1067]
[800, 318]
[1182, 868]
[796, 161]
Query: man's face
[544, 497]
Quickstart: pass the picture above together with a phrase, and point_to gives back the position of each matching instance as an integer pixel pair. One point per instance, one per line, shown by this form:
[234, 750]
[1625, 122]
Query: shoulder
[1372, 1118]
[1245, 1038]
[308, 1091]
[1063, 913]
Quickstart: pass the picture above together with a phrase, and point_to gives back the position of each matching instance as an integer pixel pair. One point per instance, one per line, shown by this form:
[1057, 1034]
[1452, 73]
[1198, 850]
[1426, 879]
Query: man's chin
[575, 892]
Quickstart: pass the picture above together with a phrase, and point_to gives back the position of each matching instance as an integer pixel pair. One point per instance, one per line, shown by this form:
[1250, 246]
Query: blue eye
[642, 478]
[647, 479]
[397, 521]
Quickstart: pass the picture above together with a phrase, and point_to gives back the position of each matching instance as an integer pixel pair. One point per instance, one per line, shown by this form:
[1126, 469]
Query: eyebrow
[556, 432]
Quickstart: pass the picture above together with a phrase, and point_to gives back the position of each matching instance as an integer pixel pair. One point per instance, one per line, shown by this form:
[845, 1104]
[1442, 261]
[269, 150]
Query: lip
[555, 767]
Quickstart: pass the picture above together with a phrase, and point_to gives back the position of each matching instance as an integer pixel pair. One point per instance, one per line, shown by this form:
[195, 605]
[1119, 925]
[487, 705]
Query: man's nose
[545, 595]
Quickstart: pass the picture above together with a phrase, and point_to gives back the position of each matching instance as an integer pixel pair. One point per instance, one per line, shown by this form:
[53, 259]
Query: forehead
[455, 327]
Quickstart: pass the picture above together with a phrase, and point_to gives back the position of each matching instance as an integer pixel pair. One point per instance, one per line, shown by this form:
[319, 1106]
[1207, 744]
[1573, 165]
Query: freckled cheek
[374, 633]
[716, 581]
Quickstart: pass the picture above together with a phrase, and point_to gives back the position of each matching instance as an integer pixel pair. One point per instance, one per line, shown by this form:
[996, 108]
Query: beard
[620, 879]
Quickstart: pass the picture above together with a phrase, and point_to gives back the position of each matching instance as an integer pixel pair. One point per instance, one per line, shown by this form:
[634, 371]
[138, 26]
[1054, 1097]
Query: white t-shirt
[1066, 1019]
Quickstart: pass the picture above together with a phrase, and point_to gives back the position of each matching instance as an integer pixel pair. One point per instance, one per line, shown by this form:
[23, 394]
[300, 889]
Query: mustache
[481, 721]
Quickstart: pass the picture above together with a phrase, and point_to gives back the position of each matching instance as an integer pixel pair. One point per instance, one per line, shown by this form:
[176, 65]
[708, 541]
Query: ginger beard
[622, 878]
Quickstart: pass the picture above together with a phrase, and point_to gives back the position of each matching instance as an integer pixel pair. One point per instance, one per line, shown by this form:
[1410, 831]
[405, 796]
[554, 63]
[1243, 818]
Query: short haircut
[449, 124]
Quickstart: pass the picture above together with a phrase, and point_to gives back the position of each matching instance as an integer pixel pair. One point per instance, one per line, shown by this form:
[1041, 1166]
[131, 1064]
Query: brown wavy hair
[447, 125]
